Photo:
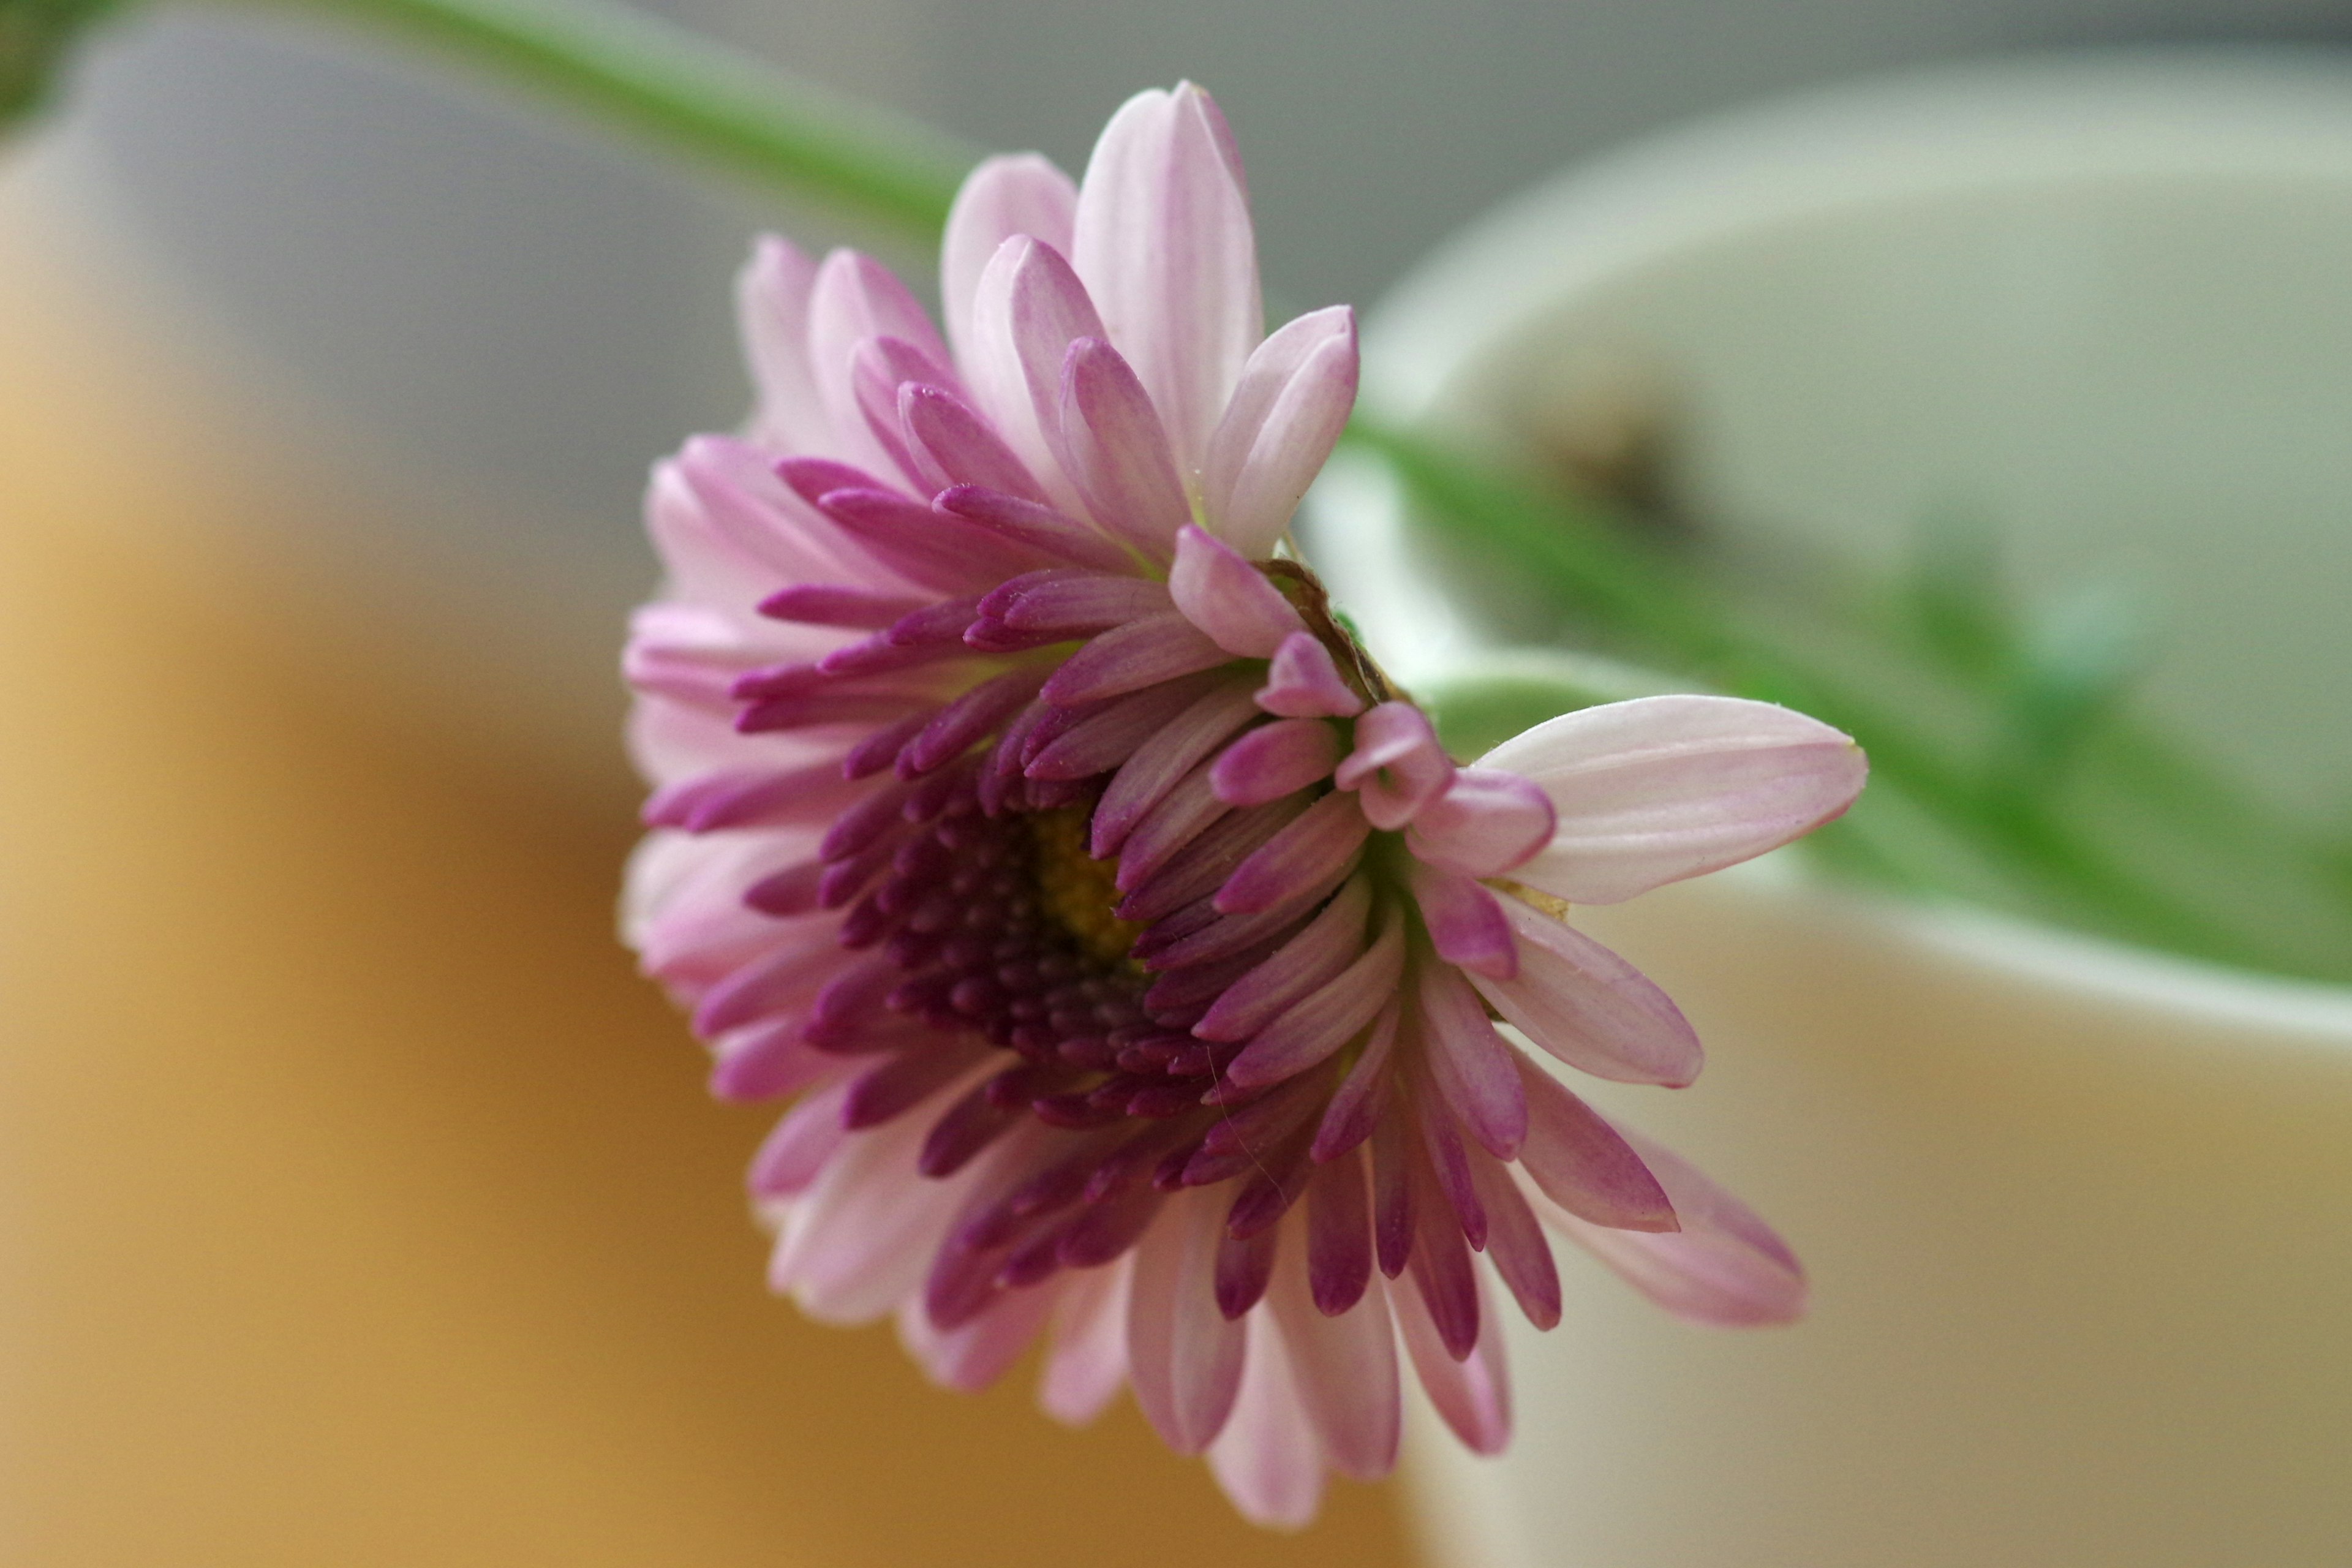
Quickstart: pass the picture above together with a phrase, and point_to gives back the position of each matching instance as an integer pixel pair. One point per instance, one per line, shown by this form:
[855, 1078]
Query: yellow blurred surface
[358, 1203]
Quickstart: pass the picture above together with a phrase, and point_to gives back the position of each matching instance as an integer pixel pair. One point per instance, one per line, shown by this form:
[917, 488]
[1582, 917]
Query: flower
[1134, 953]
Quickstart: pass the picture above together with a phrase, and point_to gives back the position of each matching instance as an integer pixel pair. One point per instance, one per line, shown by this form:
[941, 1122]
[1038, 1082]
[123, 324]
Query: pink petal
[1332, 941]
[878, 367]
[1516, 1245]
[1303, 683]
[1346, 1372]
[976, 1353]
[1088, 1361]
[1328, 1017]
[1145, 779]
[1035, 527]
[1184, 1356]
[1113, 448]
[1475, 1073]
[1228, 598]
[1473, 1396]
[1269, 1459]
[1016, 194]
[1325, 838]
[1725, 1267]
[1581, 1162]
[1662, 788]
[1286, 413]
[1027, 312]
[798, 1148]
[1129, 657]
[1276, 760]
[1355, 1110]
[951, 446]
[855, 298]
[1397, 767]
[1164, 242]
[861, 1239]
[771, 304]
[1486, 823]
[1466, 922]
[1590, 1009]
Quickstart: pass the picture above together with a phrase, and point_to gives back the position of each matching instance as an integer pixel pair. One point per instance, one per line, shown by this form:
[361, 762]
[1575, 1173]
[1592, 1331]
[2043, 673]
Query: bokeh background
[357, 1204]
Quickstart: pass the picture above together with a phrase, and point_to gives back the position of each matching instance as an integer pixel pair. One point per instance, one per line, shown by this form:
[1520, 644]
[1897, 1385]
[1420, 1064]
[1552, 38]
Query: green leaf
[35, 37]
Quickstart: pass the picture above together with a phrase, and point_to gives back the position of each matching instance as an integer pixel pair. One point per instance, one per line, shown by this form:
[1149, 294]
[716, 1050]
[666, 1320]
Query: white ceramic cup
[2078, 1218]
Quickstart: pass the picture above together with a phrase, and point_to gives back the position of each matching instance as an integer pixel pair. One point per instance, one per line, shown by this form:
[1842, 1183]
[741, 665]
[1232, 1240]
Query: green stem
[637, 70]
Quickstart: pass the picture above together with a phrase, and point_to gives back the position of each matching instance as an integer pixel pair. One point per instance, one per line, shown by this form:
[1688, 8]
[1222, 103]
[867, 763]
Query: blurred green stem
[631, 68]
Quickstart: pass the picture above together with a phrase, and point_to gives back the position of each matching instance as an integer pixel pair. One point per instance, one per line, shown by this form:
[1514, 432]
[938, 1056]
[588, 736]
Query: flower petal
[1466, 922]
[1228, 598]
[1662, 788]
[853, 298]
[1724, 1267]
[1088, 1361]
[1318, 844]
[1588, 1007]
[1486, 823]
[1473, 1396]
[1276, 760]
[772, 305]
[1016, 194]
[1397, 767]
[1268, 1459]
[1114, 451]
[1582, 1163]
[1163, 240]
[1184, 1356]
[1286, 414]
[1476, 1074]
[1302, 682]
[951, 446]
[1028, 309]
[1346, 1366]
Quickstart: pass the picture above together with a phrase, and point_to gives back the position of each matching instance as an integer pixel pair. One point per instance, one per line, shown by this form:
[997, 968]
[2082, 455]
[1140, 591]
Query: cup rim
[2018, 124]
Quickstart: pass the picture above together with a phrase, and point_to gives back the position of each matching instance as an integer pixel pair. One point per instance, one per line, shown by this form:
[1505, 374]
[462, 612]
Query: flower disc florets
[1136, 953]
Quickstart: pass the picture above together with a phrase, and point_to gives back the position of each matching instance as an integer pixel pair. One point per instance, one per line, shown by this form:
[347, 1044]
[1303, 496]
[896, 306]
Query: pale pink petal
[1276, 760]
[1268, 1459]
[1184, 1356]
[1113, 448]
[1015, 194]
[1589, 1008]
[860, 1240]
[1164, 242]
[1129, 657]
[771, 301]
[1324, 839]
[1662, 788]
[798, 1148]
[1332, 941]
[1485, 823]
[1088, 1361]
[853, 298]
[1473, 1396]
[1466, 922]
[1397, 767]
[1475, 1073]
[1145, 778]
[1516, 1244]
[1040, 527]
[1725, 1267]
[975, 1354]
[1027, 310]
[1302, 682]
[1345, 1367]
[1583, 1164]
[1286, 413]
[1228, 598]
[951, 446]
[1328, 1016]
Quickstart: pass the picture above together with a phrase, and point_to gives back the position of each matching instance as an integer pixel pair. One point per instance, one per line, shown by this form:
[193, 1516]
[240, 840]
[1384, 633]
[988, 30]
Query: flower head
[1139, 959]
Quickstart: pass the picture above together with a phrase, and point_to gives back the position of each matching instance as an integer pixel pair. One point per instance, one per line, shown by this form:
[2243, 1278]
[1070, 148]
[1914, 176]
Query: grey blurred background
[516, 307]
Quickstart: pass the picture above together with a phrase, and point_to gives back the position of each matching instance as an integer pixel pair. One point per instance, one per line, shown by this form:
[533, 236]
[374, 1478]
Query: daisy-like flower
[1141, 962]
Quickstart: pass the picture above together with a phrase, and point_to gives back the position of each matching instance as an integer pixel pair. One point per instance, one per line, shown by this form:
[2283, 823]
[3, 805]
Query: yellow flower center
[1076, 890]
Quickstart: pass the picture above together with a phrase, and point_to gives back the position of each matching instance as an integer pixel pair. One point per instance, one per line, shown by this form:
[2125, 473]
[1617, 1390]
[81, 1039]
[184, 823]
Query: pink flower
[1134, 952]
